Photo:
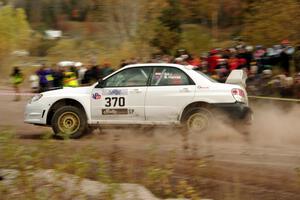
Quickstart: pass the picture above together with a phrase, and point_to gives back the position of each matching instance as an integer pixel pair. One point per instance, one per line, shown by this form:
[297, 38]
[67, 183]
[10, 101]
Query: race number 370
[115, 101]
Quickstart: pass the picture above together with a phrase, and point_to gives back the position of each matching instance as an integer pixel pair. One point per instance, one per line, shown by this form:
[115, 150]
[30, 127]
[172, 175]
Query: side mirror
[100, 83]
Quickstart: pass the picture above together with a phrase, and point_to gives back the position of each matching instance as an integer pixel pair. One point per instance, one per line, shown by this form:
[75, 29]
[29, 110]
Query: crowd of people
[272, 71]
[269, 69]
[67, 74]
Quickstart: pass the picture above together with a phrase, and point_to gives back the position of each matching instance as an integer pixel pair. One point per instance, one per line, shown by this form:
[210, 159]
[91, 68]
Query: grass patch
[166, 177]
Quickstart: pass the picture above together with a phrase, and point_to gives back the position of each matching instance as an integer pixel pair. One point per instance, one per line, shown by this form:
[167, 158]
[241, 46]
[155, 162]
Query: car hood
[69, 90]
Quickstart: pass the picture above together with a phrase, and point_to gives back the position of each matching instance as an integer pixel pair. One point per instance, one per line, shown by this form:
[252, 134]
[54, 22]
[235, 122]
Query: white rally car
[144, 94]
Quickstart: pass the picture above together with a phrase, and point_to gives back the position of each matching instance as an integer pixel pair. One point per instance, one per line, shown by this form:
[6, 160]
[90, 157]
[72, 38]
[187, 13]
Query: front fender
[82, 99]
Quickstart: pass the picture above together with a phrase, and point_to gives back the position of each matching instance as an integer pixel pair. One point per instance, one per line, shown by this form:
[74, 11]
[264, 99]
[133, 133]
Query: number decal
[115, 101]
[108, 102]
[122, 101]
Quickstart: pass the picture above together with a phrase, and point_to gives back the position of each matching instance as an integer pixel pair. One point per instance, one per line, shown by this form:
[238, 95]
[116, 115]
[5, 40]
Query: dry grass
[166, 177]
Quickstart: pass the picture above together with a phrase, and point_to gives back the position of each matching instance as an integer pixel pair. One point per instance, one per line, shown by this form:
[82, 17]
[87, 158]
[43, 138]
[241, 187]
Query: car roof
[157, 65]
[182, 67]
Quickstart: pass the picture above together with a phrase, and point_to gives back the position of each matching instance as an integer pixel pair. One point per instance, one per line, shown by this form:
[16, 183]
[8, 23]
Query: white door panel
[165, 103]
[121, 97]
[170, 90]
[119, 104]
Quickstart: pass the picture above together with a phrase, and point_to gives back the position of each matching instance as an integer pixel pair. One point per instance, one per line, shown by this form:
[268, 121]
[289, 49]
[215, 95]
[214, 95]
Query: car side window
[131, 77]
[169, 76]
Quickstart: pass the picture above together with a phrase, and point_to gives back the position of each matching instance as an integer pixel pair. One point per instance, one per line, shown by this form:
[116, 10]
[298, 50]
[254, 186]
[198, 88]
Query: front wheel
[69, 122]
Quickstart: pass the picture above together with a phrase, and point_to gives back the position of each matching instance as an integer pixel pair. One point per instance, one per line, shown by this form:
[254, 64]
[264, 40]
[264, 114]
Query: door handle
[137, 90]
[185, 90]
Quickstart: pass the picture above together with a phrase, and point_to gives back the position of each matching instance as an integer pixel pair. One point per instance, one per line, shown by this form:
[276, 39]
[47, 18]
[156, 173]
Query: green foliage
[167, 32]
[271, 21]
[165, 39]
[14, 30]
[171, 17]
[84, 50]
[74, 49]
[119, 30]
[196, 39]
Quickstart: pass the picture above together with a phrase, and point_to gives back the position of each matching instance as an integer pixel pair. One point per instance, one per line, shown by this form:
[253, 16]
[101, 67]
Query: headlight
[36, 98]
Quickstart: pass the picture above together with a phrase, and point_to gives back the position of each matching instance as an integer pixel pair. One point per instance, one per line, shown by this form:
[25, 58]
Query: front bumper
[35, 113]
[236, 111]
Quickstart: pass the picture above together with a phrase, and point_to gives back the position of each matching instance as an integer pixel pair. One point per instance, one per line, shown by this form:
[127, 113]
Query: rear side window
[169, 76]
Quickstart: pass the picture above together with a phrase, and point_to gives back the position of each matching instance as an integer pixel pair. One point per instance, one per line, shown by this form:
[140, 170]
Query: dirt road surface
[261, 166]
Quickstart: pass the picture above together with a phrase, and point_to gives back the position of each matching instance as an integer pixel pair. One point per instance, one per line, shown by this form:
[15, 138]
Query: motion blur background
[209, 34]
[112, 30]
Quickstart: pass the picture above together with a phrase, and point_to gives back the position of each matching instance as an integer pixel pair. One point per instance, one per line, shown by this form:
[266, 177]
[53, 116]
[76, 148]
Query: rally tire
[69, 122]
[198, 120]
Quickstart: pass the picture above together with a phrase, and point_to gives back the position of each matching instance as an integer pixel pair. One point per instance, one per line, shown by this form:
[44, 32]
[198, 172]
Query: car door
[170, 90]
[121, 97]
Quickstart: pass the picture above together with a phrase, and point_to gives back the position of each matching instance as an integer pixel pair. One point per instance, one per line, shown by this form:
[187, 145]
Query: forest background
[112, 30]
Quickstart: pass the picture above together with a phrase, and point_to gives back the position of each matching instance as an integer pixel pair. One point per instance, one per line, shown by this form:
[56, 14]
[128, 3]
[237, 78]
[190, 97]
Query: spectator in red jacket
[213, 60]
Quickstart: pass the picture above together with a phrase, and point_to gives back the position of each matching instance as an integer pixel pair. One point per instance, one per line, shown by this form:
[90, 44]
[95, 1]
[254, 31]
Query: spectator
[287, 87]
[70, 77]
[34, 82]
[285, 62]
[233, 63]
[297, 85]
[92, 75]
[253, 80]
[17, 79]
[213, 60]
[81, 71]
[285, 56]
[297, 59]
[195, 61]
[58, 75]
[106, 70]
[43, 82]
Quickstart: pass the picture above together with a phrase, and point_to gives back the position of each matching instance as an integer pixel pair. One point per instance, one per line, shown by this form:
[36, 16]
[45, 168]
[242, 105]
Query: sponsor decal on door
[120, 111]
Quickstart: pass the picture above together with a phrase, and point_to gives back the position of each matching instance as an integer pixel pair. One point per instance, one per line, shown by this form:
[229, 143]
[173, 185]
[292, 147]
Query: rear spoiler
[237, 77]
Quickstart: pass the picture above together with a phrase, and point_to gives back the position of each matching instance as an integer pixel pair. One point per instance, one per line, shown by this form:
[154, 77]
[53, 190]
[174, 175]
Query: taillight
[238, 94]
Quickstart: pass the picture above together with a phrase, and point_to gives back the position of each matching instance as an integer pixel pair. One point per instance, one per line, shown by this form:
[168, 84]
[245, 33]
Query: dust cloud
[276, 123]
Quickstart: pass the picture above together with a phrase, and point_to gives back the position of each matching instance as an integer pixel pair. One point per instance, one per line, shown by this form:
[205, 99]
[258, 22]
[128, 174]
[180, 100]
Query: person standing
[34, 82]
[43, 82]
[297, 59]
[106, 70]
[285, 56]
[58, 75]
[213, 60]
[81, 71]
[70, 78]
[17, 79]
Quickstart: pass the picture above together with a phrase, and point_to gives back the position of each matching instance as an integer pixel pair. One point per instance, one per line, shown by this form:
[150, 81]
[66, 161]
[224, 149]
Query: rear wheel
[69, 122]
[198, 120]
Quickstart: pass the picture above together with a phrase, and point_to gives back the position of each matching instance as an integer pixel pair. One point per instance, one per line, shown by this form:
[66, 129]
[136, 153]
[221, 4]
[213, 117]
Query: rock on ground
[51, 184]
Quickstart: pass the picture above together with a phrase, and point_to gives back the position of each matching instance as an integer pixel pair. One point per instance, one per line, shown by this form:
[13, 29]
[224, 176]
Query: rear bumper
[236, 111]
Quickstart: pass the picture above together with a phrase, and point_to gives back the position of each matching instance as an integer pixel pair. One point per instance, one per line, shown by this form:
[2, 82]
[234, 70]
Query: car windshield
[206, 76]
